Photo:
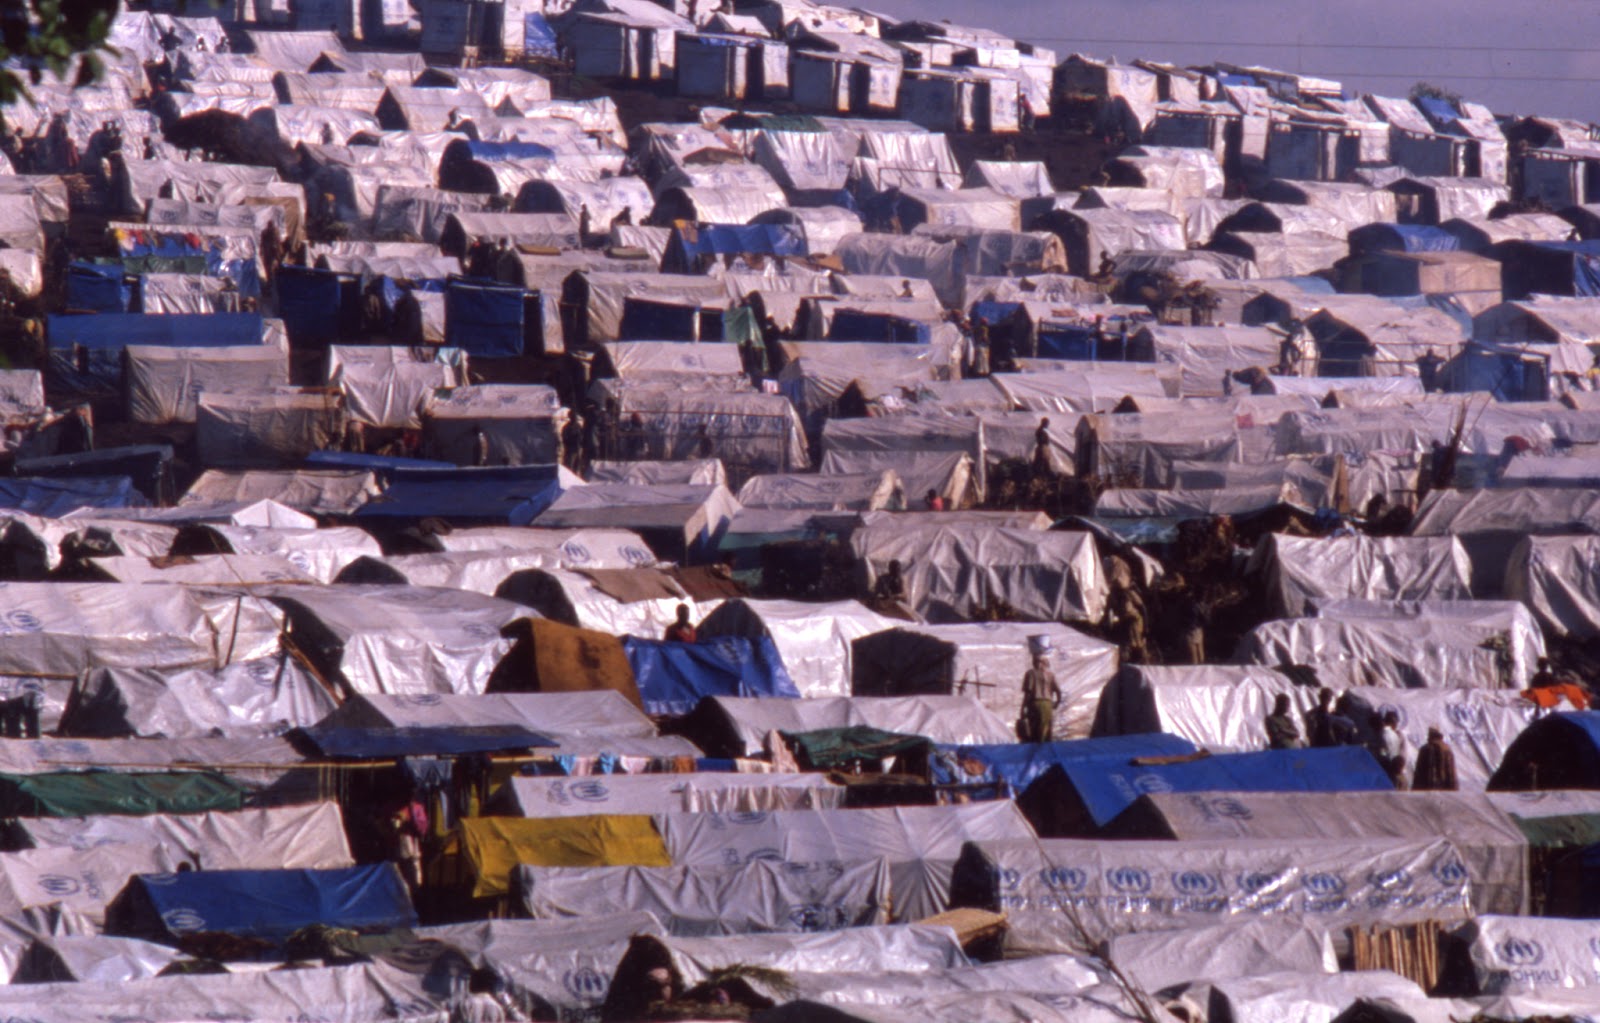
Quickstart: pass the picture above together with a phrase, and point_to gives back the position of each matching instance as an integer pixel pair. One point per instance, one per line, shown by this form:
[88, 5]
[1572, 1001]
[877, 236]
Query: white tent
[248, 698]
[1068, 891]
[741, 726]
[387, 385]
[657, 793]
[988, 659]
[520, 424]
[313, 491]
[400, 639]
[813, 639]
[921, 843]
[954, 571]
[1298, 572]
[305, 837]
[165, 385]
[266, 428]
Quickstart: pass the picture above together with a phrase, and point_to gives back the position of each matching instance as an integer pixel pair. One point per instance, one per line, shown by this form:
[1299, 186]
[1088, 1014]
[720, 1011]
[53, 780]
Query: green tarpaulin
[1577, 829]
[827, 748]
[92, 793]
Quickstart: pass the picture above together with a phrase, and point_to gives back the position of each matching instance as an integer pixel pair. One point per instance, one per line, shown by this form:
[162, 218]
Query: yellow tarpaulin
[494, 846]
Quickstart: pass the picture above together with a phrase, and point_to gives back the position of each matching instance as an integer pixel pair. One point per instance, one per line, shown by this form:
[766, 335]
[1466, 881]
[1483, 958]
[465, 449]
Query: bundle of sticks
[1411, 950]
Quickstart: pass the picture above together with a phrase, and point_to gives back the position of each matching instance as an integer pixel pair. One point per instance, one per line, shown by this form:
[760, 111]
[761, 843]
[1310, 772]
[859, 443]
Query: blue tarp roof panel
[1106, 787]
[53, 498]
[1019, 764]
[673, 677]
[506, 495]
[386, 743]
[181, 330]
[267, 904]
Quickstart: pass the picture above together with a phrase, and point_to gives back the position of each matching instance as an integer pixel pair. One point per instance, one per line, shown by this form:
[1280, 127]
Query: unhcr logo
[1063, 879]
[60, 885]
[183, 921]
[747, 816]
[575, 552]
[1521, 952]
[1324, 884]
[1196, 882]
[586, 984]
[1450, 871]
[1256, 882]
[1467, 716]
[1231, 809]
[1129, 880]
[18, 620]
[637, 556]
[589, 791]
[1147, 784]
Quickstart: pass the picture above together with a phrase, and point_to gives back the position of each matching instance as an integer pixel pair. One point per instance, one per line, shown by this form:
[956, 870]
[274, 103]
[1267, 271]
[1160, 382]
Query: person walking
[1282, 732]
[1041, 695]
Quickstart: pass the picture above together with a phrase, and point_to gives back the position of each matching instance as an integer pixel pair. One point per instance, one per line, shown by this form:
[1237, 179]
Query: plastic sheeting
[1298, 572]
[1508, 953]
[1157, 960]
[265, 429]
[1555, 577]
[1417, 645]
[1493, 849]
[165, 384]
[700, 901]
[92, 957]
[990, 658]
[739, 727]
[521, 424]
[954, 571]
[266, 904]
[61, 629]
[401, 639]
[905, 256]
[388, 385]
[259, 697]
[655, 793]
[848, 492]
[705, 472]
[813, 639]
[376, 990]
[692, 516]
[1057, 893]
[703, 366]
[81, 881]
[320, 553]
[292, 837]
[673, 677]
[921, 843]
[316, 492]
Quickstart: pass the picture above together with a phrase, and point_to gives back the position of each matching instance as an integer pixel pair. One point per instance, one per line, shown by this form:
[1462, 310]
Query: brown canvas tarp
[553, 658]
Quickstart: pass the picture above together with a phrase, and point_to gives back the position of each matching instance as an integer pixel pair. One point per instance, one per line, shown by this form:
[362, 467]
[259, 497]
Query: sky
[1522, 57]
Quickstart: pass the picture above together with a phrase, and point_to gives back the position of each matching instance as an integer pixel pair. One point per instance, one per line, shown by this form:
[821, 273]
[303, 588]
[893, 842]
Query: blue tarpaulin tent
[489, 320]
[1550, 268]
[1019, 764]
[1081, 796]
[147, 466]
[53, 498]
[1402, 238]
[673, 677]
[98, 287]
[538, 38]
[689, 243]
[183, 330]
[319, 307]
[381, 464]
[852, 325]
[266, 904]
[386, 743]
[501, 495]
